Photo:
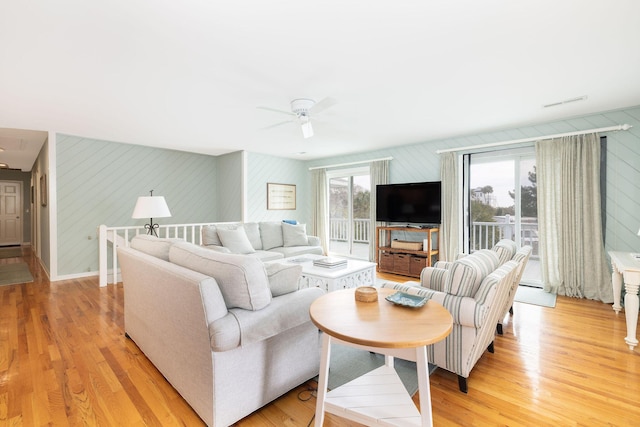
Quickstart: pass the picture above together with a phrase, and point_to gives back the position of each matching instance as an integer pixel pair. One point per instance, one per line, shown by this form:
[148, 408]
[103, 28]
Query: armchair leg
[490, 348]
[462, 384]
[499, 328]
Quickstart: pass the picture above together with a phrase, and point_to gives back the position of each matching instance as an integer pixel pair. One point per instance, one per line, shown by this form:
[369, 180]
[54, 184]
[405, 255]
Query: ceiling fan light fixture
[307, 130]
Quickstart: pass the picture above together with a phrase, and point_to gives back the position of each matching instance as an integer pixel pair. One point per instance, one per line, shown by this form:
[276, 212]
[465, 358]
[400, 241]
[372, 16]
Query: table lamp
[151, 207]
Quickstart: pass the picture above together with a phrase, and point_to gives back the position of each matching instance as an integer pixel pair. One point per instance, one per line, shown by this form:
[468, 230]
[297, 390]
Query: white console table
[626, 268]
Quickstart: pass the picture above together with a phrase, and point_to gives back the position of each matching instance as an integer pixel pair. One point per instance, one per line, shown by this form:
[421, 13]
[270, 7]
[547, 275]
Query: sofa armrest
[434, 278]
[465, 311]
[314, 240]
[285, 312]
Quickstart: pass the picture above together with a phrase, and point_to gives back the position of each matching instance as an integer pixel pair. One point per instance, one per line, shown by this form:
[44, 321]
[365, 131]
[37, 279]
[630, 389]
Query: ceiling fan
[302, 109]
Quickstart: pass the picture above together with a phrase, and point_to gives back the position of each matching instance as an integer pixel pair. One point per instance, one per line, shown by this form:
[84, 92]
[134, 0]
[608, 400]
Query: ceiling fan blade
[278, 124]
[323, 105]
[289, 113]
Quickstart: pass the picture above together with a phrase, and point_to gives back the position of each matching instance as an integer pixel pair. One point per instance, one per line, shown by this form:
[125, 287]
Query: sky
[500, 175]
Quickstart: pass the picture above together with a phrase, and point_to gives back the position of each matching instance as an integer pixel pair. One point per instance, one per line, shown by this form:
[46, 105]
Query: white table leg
[424, 387]
[388, 360]
[323, 377]
[631, 285]
[616, 281]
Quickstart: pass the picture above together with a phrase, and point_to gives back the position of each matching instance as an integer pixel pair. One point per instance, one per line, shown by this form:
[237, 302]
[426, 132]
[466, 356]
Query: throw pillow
[210, 236]
[242, 279]
[253, 233]
[294, 235]
[236, 240]
[271, 234]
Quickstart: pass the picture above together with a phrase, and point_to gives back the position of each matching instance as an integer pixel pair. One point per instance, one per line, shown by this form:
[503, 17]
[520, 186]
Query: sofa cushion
[285, 312]
[283, 277]
[152, 245]
[236, 240]
[267, 255]
[242, 279]
[467, 273]
[271, 234]
[297, 250]
[294, 235]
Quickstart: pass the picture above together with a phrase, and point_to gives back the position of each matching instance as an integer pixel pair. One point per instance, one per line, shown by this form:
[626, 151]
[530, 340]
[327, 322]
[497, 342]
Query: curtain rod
[538, 138]
[350, 164]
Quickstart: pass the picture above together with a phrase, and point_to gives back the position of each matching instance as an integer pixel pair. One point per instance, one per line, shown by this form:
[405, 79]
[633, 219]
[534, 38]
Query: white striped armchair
[521, 257]
[474, 289]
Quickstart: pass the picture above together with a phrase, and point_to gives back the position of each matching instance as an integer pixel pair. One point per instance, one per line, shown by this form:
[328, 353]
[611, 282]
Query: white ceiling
[189, 75]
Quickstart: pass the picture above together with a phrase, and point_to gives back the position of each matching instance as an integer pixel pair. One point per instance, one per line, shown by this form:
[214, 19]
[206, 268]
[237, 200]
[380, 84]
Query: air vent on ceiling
[566, 101]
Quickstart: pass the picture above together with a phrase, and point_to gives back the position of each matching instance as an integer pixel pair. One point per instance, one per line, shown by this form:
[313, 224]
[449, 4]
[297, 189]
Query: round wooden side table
[380, 327]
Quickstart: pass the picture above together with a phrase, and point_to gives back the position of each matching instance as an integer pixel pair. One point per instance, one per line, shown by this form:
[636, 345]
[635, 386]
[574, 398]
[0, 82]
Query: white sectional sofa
[227, 331]
[268, 241]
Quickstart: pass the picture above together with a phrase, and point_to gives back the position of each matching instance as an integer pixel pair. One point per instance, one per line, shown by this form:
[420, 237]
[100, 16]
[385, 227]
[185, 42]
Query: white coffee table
[356, 273]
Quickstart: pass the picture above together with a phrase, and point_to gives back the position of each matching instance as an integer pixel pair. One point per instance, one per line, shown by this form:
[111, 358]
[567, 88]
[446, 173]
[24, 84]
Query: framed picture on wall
[43, 190]
[281, 196]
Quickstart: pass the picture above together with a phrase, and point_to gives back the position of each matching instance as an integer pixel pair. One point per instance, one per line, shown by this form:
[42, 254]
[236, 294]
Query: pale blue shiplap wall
[623, 183]
[98, 182]
[230, 171]
[263, 169]
[419, 162]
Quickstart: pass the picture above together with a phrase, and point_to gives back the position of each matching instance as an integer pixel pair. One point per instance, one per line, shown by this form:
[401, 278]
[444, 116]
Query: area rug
[12, 252]
[535, 296]
[348, 363]
[15, 273]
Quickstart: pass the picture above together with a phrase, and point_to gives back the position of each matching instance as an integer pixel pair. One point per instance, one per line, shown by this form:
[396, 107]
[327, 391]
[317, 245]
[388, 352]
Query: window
[501, 203]
[349, 222]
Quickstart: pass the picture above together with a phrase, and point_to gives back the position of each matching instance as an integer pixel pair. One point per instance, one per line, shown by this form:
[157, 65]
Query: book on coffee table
[330, 262]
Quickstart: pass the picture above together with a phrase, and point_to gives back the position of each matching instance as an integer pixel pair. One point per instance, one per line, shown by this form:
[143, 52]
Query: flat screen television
[414, 203]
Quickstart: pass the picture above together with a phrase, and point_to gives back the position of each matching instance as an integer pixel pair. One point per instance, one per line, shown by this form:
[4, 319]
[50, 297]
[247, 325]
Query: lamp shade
[151, 207]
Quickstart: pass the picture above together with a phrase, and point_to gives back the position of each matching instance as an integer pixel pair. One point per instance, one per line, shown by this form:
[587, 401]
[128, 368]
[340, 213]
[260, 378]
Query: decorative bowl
[407, 300]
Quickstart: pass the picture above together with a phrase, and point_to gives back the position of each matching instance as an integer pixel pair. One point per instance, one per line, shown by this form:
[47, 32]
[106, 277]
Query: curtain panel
[320, 207]
[378, 175]
[451, 219]
[569, 211]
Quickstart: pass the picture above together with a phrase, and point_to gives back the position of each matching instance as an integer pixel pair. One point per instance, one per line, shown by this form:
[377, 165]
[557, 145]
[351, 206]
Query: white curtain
[320, 208]
[451, 220]
[571, 248]
[378, 174]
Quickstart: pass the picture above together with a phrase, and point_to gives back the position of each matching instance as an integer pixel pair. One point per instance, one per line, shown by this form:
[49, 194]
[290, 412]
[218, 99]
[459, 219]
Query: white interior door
[10, 213]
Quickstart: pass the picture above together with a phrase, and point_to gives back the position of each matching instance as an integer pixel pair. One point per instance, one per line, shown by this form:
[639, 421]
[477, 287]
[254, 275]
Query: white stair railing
[109, 238]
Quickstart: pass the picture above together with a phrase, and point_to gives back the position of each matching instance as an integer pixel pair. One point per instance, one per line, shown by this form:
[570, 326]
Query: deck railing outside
[339, 230]
[486, 234]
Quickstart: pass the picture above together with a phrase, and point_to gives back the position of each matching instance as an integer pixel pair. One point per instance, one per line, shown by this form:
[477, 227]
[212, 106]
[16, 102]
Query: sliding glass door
[349, 223]
[502, 203]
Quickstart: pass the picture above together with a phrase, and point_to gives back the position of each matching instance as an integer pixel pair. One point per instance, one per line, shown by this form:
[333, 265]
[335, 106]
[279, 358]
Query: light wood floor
[64, 360]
